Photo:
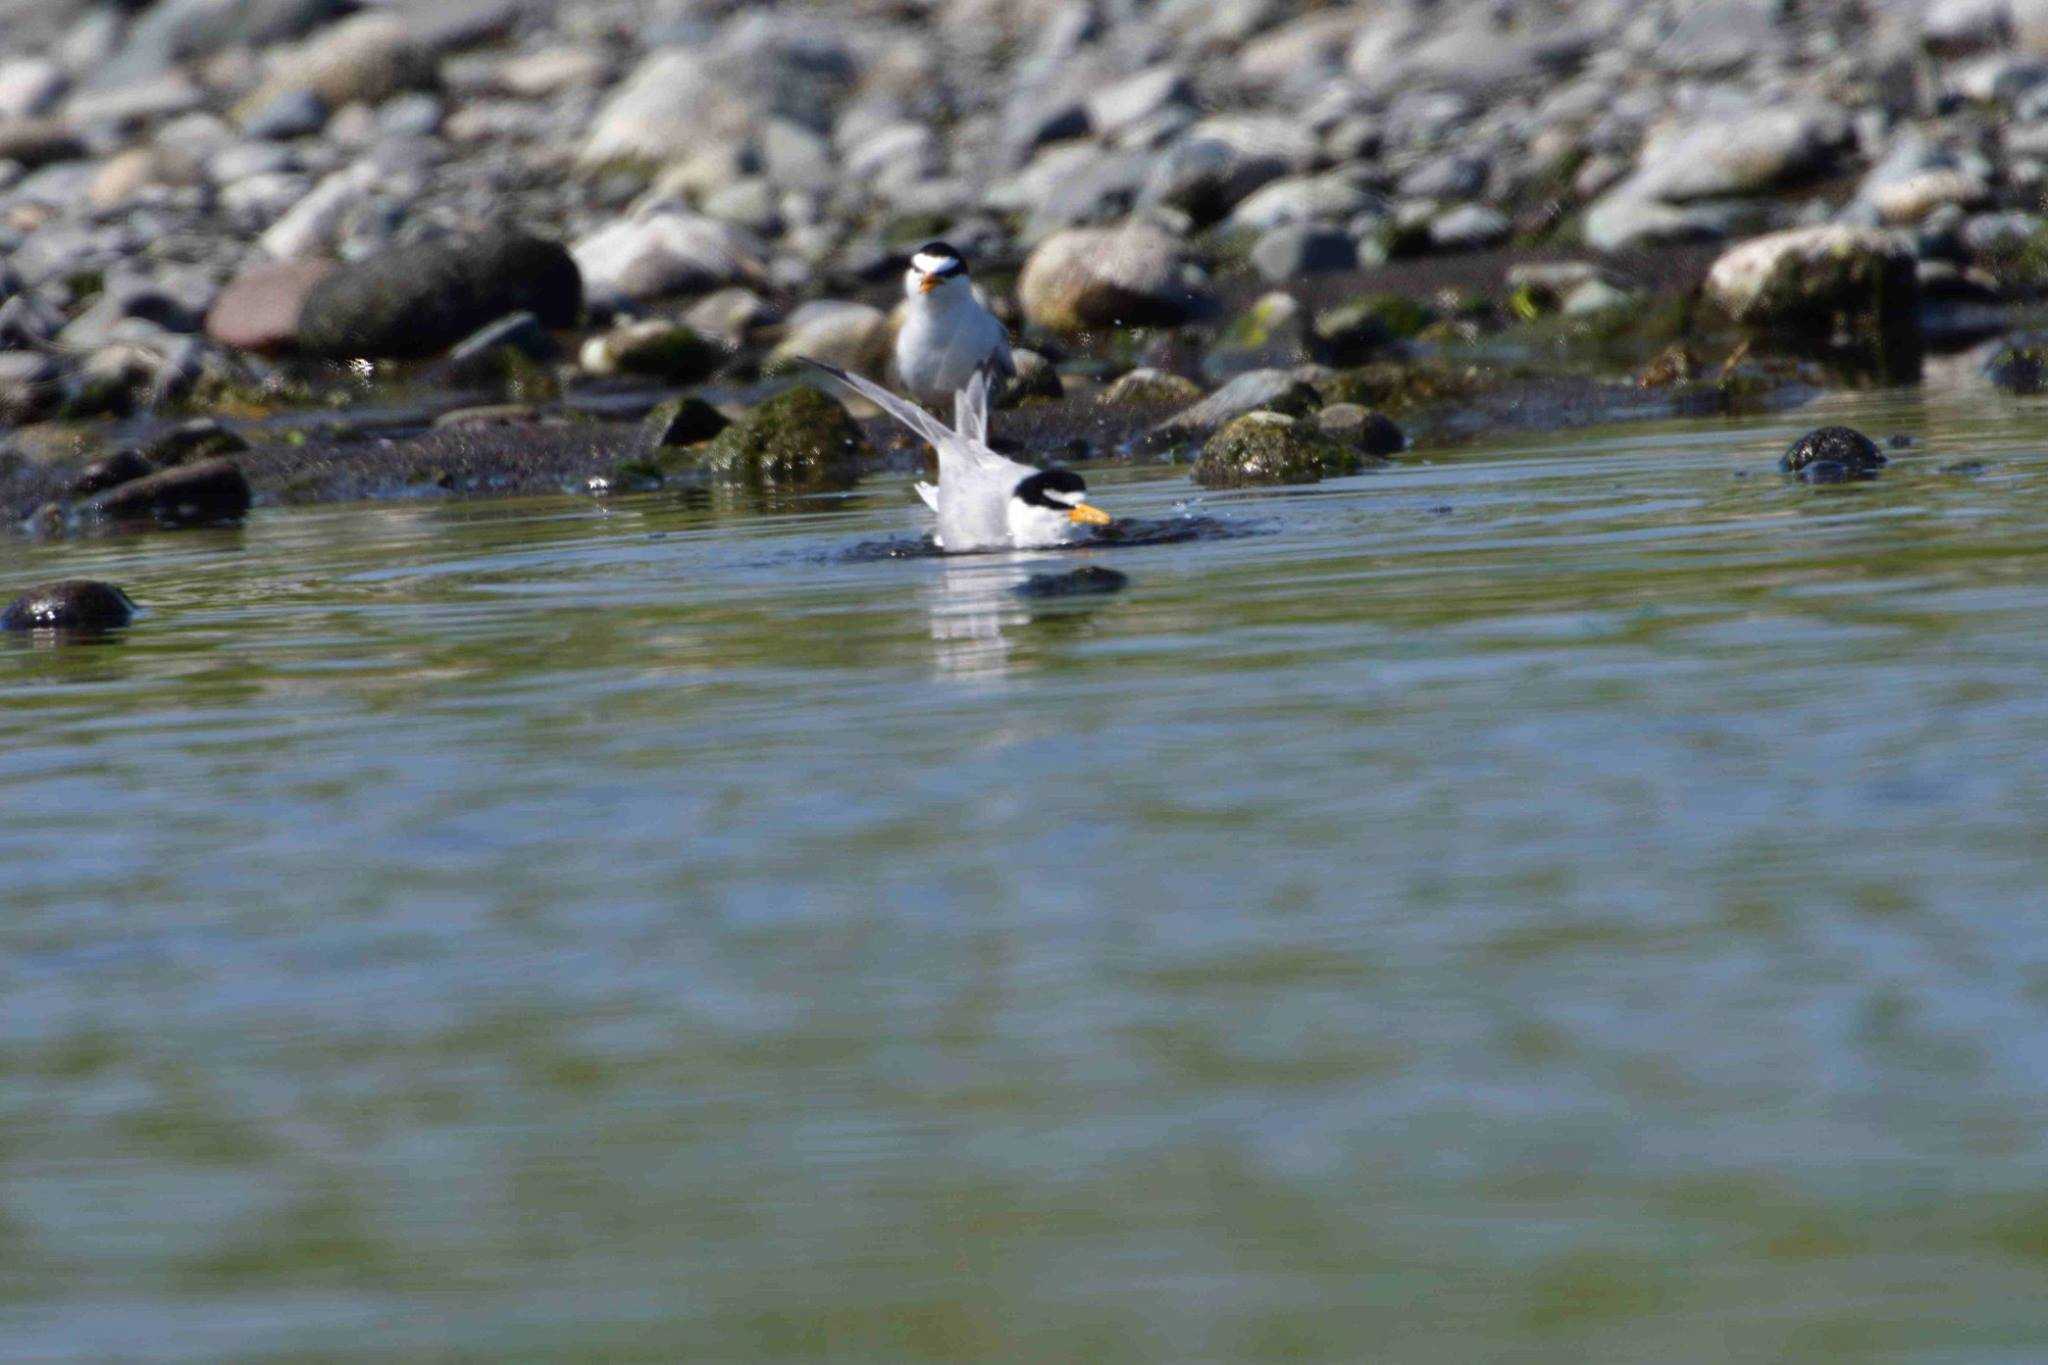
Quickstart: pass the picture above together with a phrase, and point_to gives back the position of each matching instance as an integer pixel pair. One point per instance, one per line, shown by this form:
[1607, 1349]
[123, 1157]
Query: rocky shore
[405, 246]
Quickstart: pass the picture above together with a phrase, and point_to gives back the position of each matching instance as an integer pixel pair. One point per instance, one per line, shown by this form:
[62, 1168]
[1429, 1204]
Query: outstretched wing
[929, 492]
[909, 414]
[970, 405]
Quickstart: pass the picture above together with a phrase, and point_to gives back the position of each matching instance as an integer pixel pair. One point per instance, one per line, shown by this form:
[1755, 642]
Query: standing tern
[984, 501]
[947, 334]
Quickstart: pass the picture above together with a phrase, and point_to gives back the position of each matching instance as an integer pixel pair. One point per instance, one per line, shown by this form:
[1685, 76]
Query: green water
[1578, 900]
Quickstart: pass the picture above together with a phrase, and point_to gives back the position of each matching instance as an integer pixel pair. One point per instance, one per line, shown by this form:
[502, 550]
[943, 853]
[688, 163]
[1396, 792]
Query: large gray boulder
[1129, 276]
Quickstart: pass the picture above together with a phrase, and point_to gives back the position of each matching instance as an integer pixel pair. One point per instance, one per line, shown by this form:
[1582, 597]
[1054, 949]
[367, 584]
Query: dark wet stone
[199, 439]
[123, 466]
[1854, 452]
[682, 422]
[191, 495]
[799, 440]
[1082, 582]
[72, 604]
[420, 300]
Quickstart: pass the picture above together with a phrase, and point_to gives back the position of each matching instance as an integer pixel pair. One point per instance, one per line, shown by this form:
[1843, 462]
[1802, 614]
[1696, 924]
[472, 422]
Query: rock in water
[191, 495]
[419, 300]
[800, 441]
[1091, 581]
[1128, 276]
[1832, 454]
[72, 604]
[1273, 448]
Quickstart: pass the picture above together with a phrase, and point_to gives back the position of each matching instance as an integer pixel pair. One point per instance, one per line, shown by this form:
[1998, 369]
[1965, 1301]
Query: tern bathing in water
[947, 335]
[985, 501]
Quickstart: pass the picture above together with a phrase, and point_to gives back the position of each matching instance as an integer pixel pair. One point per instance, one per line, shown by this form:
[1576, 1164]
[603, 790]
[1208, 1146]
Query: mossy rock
[682, 422]
[1262, 448]
[799, 440]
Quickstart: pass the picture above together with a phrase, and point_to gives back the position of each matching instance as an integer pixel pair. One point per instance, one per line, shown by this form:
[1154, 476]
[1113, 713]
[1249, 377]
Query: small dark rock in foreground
[1833, 454]
[191, 495]
[72, 604]
[1082, 582]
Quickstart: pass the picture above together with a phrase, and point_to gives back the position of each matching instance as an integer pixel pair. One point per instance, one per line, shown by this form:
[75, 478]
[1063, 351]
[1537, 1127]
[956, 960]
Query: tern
[947, 334]
[984, 501]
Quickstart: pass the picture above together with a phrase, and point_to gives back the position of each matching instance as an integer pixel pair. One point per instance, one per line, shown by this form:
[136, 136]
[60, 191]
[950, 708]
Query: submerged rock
[1273, 448]
[71, 604]
[190, 495]
[1084, 582]
[800, 440]
[420, 300]
[1832, 454]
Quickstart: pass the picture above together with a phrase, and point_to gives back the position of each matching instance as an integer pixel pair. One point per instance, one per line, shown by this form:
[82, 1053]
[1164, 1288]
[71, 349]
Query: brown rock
[260, 310]
[38, 142]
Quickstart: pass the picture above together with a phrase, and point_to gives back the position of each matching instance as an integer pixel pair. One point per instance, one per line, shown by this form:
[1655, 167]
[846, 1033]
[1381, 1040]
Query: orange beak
[1084, 515]
[927, 283]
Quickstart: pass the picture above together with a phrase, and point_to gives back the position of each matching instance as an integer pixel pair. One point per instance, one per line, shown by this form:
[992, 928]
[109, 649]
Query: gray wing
[970, 405]
[909, 414]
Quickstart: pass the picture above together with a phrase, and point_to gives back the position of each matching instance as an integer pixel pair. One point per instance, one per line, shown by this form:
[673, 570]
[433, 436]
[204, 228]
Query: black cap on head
[1054, 489]
[939, 258]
